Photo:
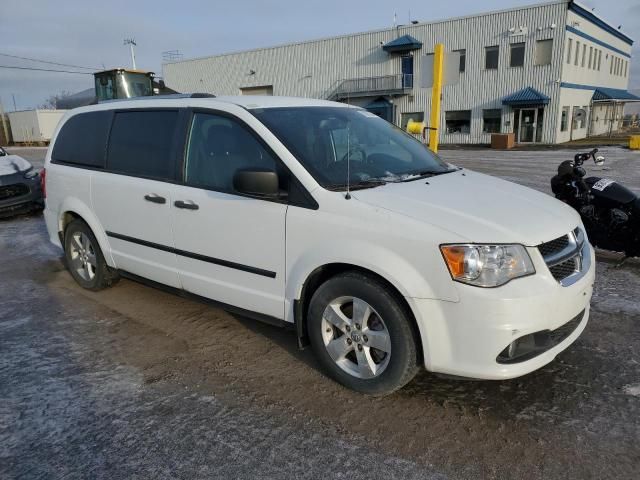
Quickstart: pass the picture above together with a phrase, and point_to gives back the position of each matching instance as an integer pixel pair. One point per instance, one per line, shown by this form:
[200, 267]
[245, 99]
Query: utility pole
[14, 102]
[4, 124]
[132, 43]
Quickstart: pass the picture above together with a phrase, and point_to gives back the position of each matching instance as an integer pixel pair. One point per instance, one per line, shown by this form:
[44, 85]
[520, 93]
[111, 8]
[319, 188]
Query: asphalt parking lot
[133, 382]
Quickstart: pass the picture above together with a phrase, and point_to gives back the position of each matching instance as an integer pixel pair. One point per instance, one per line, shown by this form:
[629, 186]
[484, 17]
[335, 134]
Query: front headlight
[29, 174]
[487, 265]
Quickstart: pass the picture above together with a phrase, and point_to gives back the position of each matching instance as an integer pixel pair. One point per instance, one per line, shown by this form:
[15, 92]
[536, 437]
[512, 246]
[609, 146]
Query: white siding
[585, 76]
[34, 125]
[315, 68]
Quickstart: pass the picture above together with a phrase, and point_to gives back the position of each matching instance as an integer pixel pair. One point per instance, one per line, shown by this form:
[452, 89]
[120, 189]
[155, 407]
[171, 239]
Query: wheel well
[67, 218]
[324, 273]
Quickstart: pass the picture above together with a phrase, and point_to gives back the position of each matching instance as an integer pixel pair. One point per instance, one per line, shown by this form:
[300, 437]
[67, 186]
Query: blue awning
[405, 43]
[602, 94]
[526, 96]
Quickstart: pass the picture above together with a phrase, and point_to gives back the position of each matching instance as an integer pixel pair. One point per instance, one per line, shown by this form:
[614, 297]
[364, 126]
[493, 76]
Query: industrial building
[549, 73]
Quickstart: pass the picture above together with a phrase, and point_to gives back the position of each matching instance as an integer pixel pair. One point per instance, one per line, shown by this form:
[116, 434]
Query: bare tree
[51, 103]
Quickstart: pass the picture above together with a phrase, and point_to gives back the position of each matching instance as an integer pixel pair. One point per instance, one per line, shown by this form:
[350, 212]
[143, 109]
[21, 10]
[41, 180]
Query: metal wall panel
[315, 68]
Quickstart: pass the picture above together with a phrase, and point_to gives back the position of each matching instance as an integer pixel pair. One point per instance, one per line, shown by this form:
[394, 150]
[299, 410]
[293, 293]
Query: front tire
[84, 258]
[362, 335]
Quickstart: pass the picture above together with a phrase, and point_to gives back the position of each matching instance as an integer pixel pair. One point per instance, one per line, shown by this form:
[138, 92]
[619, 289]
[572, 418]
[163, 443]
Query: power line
[46, 61]
[44, 70]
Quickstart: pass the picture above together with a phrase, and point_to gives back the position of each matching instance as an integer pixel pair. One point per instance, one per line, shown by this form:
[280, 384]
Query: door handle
[152, 197]
[189, 205]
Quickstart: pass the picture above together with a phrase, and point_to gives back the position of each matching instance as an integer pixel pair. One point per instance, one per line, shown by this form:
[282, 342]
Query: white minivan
[321, 216]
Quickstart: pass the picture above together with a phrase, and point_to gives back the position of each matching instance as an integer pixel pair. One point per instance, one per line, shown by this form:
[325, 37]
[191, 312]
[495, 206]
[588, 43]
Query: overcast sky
[90, 34]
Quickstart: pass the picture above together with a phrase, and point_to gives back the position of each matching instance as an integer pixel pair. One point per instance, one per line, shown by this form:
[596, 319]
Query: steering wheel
[353, 150]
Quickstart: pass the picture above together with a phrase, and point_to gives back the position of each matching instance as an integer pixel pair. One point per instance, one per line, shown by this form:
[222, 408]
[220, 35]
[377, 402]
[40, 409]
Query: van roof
[248, 102]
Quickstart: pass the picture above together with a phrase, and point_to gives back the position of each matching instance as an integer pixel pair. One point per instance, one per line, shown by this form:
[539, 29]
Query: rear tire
[362, 335]
[84, 258]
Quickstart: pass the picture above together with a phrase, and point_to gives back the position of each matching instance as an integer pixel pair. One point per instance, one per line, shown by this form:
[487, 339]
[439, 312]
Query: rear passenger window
[218, 147]
[141, 143]
[83, 139]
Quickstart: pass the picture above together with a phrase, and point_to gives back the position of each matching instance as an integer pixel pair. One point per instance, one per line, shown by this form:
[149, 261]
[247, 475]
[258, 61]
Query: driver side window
[217, 147]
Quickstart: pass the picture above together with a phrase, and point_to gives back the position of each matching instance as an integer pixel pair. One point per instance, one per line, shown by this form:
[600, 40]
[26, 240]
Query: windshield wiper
[359, 185]
[427, 174]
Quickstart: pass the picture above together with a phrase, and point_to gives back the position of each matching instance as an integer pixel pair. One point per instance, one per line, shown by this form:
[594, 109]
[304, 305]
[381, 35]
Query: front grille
[564, 269]
[554, 246]
[10, 191]
[567, 257]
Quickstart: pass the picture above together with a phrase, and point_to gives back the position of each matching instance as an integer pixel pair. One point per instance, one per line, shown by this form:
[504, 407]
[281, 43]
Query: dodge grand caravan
[321, 216]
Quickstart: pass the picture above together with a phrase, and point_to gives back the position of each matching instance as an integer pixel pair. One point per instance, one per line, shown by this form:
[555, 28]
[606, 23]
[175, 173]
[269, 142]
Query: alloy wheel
[83, 256]
[356, 337]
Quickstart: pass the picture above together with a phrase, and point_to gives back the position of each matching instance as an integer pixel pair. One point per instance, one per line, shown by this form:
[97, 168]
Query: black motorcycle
[609, 211]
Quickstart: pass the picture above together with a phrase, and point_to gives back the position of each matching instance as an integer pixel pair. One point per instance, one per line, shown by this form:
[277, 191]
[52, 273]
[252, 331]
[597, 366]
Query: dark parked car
[20, 186]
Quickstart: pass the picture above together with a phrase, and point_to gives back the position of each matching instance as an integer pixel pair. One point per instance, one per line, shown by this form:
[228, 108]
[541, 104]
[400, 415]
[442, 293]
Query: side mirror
[599, 160]
[257, 183]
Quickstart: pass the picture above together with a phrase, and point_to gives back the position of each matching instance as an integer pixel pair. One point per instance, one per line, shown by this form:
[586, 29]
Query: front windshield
[134, 85]
[331, 141]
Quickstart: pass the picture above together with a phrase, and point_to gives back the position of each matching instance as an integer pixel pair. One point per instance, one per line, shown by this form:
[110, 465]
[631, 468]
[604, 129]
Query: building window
[516, 55]
[564, 118]
[569, 45]
[407, 71]
[458, 121]
[491, 120]
[262, 90]
[611, 66]
[405, 117]
[626, 64]
[599, 59]
[544, 49]
[463, 59]
[577, 57]
[590, 57]
[491, 57]
[584, 54]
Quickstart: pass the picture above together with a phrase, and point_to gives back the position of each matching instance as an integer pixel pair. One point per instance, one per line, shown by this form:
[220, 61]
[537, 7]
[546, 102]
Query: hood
[10, 164]
[477, 207]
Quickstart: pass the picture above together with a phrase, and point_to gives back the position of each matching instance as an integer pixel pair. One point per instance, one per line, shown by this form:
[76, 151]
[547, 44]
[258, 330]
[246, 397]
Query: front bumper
[20, 195]
[465, 338]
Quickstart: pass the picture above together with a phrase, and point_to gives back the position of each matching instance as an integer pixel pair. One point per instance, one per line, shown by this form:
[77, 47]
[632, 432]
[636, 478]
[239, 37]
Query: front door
[527, 123]
[382, 108]
[230, 247]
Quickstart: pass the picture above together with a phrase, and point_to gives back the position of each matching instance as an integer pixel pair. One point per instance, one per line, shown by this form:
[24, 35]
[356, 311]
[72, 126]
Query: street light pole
[132, 43]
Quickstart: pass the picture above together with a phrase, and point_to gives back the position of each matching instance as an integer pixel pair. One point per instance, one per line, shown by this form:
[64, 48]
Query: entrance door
[527, 124]
[382, 108]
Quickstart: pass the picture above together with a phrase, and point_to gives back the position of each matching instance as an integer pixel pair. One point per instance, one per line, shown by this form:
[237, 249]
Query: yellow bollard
[634, 142]
[436, 96]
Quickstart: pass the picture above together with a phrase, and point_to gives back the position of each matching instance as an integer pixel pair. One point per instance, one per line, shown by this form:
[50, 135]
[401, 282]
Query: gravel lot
[133, 382]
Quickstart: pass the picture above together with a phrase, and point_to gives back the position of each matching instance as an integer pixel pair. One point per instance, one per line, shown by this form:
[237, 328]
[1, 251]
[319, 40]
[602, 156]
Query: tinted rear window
[83, 139]
[141, 143]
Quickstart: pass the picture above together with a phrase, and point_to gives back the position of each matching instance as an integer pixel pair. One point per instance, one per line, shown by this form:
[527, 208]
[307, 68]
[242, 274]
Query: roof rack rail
[171, 96]
[202, 95]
